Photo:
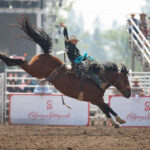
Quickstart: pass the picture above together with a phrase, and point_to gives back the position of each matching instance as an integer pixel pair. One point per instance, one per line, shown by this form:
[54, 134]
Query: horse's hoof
[120, 120]
[116, 126]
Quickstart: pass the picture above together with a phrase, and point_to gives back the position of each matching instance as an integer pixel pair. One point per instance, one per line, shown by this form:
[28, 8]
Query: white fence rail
[139, 40]
[2, 94]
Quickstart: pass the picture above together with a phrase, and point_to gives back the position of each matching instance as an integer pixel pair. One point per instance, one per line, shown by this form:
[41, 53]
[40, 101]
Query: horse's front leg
[106, 111]
[118, 119]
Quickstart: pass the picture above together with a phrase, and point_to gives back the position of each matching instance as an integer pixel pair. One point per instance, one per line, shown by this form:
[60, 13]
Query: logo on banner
[34, 115]
[49, 105]
[134, 116]
[147, 106]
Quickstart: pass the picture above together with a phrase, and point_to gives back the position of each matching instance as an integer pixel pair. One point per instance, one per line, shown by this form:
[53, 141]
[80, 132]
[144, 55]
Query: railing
[2, 103]
[139, 40]
[7, 93]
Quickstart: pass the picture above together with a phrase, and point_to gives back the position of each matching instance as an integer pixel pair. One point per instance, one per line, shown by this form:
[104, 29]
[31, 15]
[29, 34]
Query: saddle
[77, 70]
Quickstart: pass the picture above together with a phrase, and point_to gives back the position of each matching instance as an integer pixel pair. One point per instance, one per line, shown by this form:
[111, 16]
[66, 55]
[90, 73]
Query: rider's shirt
[72, 50]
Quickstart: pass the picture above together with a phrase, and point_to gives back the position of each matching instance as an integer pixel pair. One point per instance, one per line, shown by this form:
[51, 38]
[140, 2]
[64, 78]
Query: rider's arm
[65, 32]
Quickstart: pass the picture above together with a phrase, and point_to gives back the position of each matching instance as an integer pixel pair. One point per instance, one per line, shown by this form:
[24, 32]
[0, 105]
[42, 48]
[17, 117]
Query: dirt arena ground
[35, 137]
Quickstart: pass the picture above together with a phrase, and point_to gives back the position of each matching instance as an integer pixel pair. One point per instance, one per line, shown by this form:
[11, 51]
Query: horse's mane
[108, 67]
[35, 34]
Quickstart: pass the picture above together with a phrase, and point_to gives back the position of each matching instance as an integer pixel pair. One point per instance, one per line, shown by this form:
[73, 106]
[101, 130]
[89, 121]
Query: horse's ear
[124, 69]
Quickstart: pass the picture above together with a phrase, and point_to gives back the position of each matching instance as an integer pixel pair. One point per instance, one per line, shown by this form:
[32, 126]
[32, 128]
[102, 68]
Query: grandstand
[139, 45]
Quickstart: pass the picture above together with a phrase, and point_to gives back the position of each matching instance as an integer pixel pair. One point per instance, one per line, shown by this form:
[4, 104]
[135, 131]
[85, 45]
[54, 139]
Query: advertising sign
[47, 110]
[136, 110]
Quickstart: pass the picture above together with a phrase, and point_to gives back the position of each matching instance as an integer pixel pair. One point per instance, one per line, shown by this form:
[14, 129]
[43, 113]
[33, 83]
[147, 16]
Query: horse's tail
[37, 35]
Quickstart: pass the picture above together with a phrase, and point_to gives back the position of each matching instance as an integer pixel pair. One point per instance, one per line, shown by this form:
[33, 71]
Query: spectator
[136, 90]
[132, 26]
[13, 89]
[24, 76]
[18, 81]
[143, 25]
[42, 88]
[16, 75]
[10, 76]
[29, 89]
[148, 28]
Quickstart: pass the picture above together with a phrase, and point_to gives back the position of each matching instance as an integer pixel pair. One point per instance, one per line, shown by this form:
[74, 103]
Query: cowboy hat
[132, 14]
[73, 37]
[142, 14]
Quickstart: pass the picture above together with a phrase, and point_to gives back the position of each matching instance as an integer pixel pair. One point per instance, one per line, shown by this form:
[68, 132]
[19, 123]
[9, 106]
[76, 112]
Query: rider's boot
[95, 78]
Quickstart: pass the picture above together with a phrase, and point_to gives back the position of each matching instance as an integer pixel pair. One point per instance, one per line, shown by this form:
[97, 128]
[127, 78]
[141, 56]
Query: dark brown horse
[43, 65]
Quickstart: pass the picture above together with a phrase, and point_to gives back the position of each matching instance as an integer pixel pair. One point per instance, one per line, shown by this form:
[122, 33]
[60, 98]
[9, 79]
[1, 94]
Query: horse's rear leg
[10, 61]
[105, 109]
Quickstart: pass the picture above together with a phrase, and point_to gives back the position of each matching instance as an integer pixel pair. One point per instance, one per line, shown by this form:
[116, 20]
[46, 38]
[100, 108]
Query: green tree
[97, 49]
[117, 42]
[146, 8]
[55, 15]
[76, 27]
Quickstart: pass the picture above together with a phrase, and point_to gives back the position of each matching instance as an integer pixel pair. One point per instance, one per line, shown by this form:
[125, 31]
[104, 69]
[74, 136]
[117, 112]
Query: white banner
[136, 110]
[47, 110]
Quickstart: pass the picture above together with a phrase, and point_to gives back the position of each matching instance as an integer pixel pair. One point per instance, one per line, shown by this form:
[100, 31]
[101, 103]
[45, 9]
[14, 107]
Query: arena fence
[20, 76]
[2, 99]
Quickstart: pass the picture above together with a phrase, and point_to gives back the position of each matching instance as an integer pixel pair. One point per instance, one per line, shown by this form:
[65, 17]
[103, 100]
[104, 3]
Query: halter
[117, 80]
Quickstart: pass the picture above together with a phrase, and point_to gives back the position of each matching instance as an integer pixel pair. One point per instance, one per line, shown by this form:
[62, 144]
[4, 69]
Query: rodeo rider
[73, 53]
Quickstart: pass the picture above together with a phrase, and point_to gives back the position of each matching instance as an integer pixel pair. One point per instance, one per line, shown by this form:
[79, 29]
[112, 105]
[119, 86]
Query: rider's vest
[72, 51]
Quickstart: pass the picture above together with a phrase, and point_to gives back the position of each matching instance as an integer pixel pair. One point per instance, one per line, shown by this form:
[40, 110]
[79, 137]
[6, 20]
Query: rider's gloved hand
[62, 24]
[66, 50]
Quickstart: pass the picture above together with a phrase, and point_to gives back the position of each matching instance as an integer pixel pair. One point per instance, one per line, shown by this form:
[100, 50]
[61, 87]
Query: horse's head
[122, 83]
[110, 73]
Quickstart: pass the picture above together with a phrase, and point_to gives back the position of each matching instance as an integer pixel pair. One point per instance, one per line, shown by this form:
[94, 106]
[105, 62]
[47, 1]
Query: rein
[54, 75]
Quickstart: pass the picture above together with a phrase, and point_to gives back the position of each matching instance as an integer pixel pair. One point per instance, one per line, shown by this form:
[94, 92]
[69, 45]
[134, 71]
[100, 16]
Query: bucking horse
[53, 69]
